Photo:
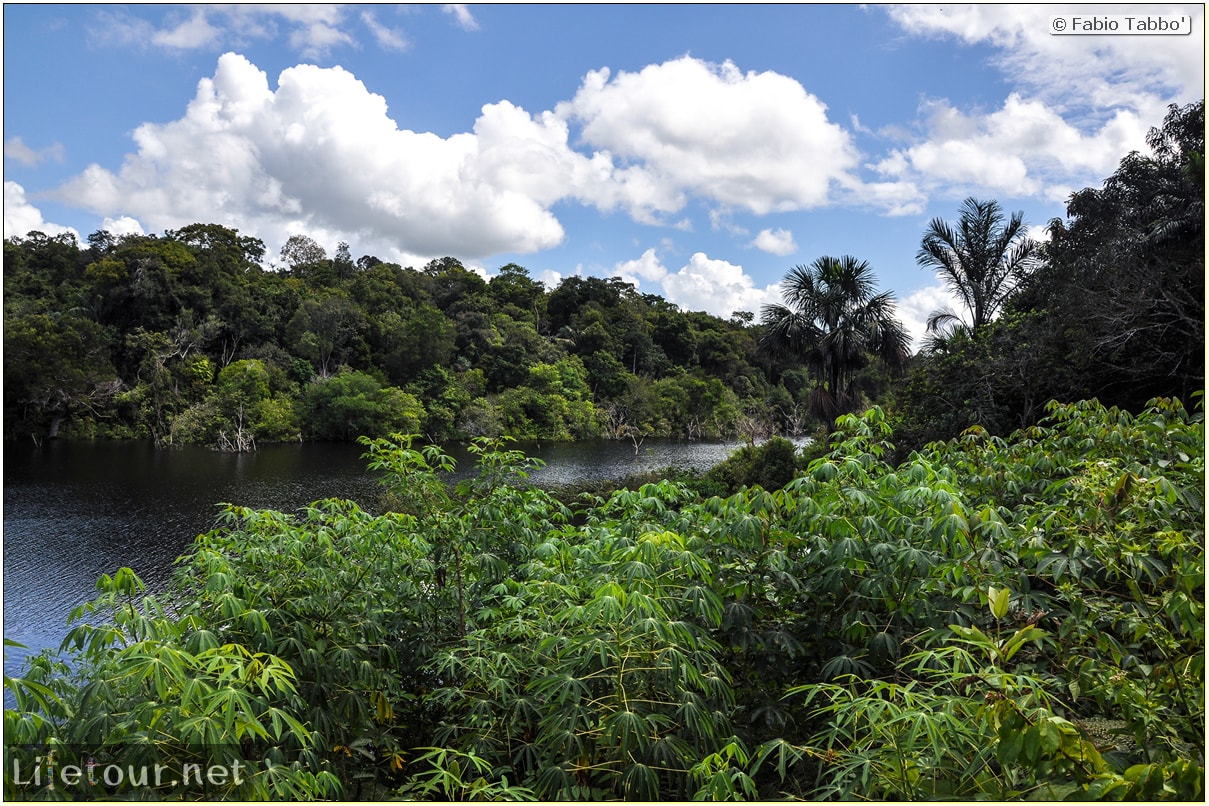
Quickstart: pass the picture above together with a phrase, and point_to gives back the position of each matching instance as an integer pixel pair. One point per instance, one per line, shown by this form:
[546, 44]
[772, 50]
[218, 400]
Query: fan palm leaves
[982, 261]
[834, 319]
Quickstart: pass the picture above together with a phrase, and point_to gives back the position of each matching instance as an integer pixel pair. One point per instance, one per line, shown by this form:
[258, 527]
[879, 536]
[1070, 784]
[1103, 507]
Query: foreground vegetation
[996, 618]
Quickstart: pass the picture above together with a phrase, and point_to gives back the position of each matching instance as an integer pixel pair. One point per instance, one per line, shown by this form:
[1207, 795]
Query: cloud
[753, 141]
[195, 32]
[116, 28]
[462, 14]
[313, 30]
[125, 225]
[1078, 104]
[775, 242]
[321, 155]
[22, 218]
[703, 284]
[387, 38]
[1078, 73]
[16, 149]
[1023, 149]
[915, 308]
[717, 287]
[315, 40]
[646, 267]
[897, 198]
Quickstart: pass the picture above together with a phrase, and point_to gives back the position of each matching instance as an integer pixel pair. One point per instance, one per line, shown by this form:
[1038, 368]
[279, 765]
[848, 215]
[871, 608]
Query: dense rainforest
[989, 585]
[185, 338]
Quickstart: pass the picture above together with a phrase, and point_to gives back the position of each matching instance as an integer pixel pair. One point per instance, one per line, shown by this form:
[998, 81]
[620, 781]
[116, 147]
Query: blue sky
[699, 151]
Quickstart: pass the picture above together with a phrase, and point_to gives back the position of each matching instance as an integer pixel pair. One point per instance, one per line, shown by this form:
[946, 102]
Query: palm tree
[982, 262]
[834, 320]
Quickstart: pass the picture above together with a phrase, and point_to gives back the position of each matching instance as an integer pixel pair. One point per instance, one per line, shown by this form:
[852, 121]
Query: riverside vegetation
[992, 618]
[964, 592]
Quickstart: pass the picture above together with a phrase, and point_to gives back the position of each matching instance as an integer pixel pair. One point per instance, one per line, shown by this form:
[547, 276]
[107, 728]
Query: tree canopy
[1113, 309]
[143, 328]
[981, 262]
[834, 320]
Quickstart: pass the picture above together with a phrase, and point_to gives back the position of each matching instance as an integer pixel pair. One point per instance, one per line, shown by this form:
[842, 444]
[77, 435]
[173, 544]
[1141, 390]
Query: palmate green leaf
[165, 667]
[640, 782]
[630, 732]
[704, 604]
[695, 714]
[844, 665]
[554, 782]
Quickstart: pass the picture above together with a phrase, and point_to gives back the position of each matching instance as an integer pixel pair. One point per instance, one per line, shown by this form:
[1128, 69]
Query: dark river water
[74, 511]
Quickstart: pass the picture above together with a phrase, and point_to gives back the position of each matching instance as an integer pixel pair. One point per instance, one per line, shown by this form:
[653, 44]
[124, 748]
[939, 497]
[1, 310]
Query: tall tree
[834, 320]
[302, 254]
[982, 261]
[1126, 270]
[1115, 309]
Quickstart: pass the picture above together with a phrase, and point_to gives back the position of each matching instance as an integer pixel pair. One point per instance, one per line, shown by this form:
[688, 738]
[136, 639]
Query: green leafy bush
[352, 404]
[770, 465]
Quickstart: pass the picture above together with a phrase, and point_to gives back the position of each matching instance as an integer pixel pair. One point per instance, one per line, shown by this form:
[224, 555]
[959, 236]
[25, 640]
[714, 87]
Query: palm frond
[983, 261]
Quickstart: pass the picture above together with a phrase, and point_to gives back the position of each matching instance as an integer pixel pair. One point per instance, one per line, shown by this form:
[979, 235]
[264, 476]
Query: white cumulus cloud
[320, 154]
[645, 267]
[123, 225]
[775, 242]
[703, 284]
[1078, 103]
[755, 141]
[915, 308]
[1023, 149]
[21, 217]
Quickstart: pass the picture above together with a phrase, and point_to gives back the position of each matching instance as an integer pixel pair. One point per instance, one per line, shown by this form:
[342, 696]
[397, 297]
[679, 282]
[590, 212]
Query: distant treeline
[186, 338]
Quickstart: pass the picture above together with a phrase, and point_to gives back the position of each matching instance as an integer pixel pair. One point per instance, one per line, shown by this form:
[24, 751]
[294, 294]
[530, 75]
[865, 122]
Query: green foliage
[991, 619]
[1112, 308]
[149, 689]
[771, 465]
[240, 410]
[1077, 535]
[981, 262]
[325, 331]
[351, 404]
[55, 368]
[640, 645]
[834, 321]
[555, 403]
[118, 339]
